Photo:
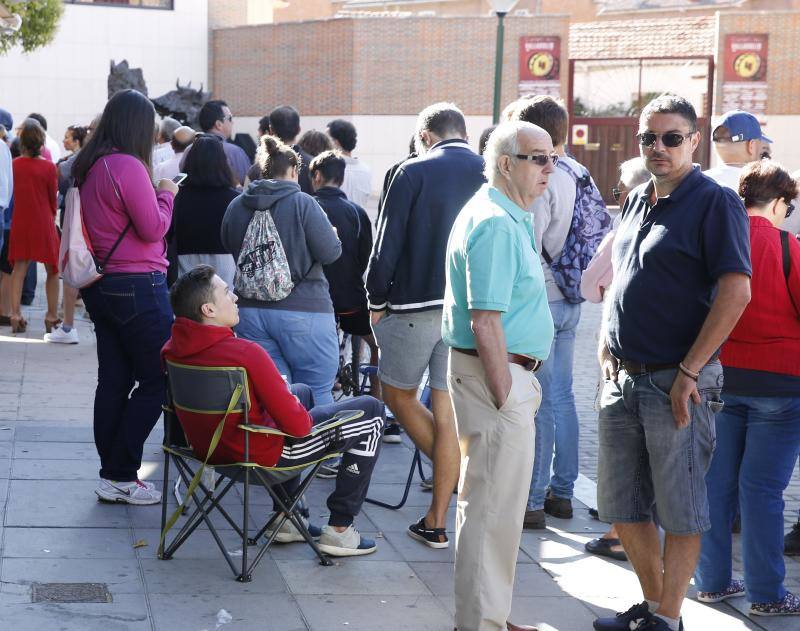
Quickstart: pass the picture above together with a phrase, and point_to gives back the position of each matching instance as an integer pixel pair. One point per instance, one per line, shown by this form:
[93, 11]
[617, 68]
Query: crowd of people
[472, 285]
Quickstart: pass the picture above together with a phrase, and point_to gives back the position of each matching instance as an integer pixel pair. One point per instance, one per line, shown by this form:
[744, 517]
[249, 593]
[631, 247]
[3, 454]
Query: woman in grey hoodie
[299, 331]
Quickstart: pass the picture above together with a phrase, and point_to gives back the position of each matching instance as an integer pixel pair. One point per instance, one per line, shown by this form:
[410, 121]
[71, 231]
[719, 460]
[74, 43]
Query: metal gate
[606, 97]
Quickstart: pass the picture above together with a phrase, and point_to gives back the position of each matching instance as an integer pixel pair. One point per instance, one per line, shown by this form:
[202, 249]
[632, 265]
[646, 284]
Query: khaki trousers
[496, 466]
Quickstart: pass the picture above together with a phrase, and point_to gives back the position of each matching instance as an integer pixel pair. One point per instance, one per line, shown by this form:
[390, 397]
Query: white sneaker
[288, 532]
[345, 544]
[59, 336]
[135, 492]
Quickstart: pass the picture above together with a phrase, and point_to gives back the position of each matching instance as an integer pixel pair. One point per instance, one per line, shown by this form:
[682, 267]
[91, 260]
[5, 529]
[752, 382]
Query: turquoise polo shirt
[492, 265]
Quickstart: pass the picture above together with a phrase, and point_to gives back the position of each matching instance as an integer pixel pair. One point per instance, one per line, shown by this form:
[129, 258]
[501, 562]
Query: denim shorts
[410, 343]
[645, 460]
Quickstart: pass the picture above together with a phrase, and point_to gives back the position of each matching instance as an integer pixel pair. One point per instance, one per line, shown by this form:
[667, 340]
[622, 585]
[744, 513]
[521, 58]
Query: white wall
[67, 80]
[382, 140]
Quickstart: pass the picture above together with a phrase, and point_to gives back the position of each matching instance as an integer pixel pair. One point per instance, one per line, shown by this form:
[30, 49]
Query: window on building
[140, 4]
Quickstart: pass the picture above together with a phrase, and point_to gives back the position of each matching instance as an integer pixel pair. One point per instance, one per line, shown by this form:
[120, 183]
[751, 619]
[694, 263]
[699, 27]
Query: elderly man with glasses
[498, 326]
[682, 272]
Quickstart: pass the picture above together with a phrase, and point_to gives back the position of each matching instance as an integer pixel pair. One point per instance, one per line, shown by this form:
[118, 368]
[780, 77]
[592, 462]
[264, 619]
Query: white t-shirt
[357, 184]
[162, 153]
[167, 169]
[53, 147]
[726, 175]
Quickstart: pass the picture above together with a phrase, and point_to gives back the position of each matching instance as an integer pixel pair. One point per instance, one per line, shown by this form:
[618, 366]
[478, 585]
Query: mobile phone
[178, 179]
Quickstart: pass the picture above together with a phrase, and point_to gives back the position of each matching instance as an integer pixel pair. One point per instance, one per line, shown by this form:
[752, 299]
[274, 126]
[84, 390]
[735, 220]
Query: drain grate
[70, 593]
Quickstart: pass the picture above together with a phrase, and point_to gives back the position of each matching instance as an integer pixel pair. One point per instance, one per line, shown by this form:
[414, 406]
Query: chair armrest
[262, 429]
[338, 419]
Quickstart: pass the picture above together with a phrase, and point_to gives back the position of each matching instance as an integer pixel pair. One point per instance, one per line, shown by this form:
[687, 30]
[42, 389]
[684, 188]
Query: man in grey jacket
[299, 331]
[557, 426]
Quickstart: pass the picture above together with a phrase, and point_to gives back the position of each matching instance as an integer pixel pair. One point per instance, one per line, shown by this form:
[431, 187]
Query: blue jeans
[644, 460]
[557, 420]
[757, 444]
[132, 320]
[303, 345]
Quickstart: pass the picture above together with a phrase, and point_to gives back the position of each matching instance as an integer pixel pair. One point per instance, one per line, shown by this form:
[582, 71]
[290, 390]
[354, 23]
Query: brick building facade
[372, 66]
[380, 71]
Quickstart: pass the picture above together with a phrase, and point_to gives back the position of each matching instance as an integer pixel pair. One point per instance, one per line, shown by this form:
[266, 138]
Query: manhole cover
[70, 593]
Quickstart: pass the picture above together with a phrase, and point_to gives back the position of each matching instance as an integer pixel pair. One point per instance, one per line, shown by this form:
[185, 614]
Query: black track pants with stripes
[359, 441]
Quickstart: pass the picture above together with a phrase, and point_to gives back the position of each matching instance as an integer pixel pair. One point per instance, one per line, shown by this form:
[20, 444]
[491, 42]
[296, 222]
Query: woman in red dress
[33, 235]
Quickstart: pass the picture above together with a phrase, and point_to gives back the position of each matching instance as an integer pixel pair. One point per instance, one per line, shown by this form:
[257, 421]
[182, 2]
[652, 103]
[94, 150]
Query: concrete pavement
[54, 531]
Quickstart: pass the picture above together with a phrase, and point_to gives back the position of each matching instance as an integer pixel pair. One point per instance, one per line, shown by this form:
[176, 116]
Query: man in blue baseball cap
[738, 139]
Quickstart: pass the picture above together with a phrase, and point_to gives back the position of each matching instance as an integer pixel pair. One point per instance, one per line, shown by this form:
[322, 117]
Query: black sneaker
[392, 434]
[791, 542]
[626, 620]
[654, 623]
[328, 471]
[431, 537]
[560, 507]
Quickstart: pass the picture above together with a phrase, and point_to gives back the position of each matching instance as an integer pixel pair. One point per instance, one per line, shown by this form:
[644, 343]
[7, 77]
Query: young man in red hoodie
[205, 310]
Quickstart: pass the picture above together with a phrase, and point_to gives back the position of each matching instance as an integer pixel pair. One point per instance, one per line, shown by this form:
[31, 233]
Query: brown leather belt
[635, 368]
[528, 363]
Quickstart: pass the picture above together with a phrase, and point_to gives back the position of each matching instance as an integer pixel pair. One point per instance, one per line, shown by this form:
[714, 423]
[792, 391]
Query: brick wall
[783, 65]
[381, 66]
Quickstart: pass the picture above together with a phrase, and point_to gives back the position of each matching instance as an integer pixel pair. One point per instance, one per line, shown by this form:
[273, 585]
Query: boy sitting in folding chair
[205, 310]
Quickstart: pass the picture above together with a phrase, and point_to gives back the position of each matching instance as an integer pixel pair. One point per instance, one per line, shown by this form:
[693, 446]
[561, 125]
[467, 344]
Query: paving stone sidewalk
[54, 531]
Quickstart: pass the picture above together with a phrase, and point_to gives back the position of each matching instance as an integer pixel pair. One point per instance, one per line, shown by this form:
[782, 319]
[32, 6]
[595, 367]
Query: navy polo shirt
[667, 258]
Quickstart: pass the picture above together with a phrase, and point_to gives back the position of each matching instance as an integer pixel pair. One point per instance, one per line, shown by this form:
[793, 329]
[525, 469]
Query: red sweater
[767, 336]
[271, 403]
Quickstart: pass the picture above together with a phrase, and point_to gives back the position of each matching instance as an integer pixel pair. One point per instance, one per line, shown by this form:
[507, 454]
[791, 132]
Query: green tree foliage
[39, 24]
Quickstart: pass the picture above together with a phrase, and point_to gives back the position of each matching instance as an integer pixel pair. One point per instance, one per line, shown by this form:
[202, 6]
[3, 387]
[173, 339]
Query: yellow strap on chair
[237, 393]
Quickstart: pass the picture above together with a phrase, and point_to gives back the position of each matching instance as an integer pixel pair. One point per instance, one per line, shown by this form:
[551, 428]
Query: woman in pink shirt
[126, 221]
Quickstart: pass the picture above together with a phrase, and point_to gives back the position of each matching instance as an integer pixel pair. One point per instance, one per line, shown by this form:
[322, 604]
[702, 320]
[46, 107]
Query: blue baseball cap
[6, 120]
[742, 126]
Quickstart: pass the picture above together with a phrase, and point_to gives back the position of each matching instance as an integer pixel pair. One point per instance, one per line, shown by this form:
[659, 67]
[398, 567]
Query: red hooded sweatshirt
[271, 403]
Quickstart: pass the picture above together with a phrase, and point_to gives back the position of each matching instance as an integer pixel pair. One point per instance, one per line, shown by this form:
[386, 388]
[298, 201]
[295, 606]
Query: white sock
[653, 605]
[674, 623]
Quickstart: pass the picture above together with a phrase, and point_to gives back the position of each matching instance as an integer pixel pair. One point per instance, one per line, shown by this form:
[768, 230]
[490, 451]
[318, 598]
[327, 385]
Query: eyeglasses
[539, 158]
[616, 193]
[228, 118]
[671, 139]
[789, 209]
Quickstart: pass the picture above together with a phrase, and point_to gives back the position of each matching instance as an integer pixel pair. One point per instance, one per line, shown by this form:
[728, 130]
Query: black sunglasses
[671, 139]
[616, 193]
[539, 158]
[789, 210]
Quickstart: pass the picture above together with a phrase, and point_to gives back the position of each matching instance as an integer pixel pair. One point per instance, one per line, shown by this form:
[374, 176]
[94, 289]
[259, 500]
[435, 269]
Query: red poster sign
[745, 57]
[539, 58]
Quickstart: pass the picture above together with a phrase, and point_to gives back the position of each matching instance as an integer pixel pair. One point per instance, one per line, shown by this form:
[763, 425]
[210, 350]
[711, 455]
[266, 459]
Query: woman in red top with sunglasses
[758, 431]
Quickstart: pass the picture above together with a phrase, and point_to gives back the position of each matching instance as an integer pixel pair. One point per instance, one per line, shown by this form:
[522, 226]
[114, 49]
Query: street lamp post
[501, 9]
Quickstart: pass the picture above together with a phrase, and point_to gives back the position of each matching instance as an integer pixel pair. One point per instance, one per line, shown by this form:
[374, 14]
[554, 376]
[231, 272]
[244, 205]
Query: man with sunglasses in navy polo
[682, 271]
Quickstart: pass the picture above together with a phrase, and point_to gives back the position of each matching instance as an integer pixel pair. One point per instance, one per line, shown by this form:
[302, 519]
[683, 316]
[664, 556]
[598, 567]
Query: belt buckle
[533, 365]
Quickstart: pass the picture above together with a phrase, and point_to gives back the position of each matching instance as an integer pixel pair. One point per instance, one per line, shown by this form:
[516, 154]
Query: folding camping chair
[416, 461]
[219, 392]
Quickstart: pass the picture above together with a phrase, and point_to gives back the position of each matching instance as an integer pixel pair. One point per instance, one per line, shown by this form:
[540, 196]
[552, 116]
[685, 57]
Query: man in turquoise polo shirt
[498, 326]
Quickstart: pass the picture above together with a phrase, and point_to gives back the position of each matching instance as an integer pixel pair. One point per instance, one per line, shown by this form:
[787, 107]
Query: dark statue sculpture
[183, 103]
[122, 77]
